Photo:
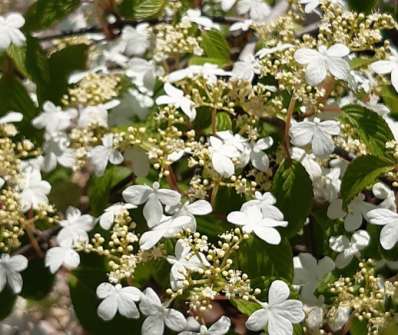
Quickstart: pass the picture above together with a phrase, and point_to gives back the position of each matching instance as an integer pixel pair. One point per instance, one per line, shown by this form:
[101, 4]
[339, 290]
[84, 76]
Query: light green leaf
[292, 188]
[390, 98]
[216, 46]
[245, 307]
[44, 13]
[370, 127]
[358, 327]
[361, 173]
[141, 9]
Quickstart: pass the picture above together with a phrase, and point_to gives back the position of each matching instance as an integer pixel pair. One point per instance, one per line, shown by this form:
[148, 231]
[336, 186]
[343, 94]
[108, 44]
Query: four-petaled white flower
[357, 210]
[106, 219]
[318, 133]
[153, 197]
[388, 219]
[308, 273]
[10, 32]
[74, 227]
[63, 255]
[220, 327]
[279, 313]
[158, 315]
[320, 62]
[101, 154]
[175, 97]
[388, 66]
[118, 299]
[10, 268]
[53, 119]
[252, 220]
[136, 40]
[347, 248]
[34, 190]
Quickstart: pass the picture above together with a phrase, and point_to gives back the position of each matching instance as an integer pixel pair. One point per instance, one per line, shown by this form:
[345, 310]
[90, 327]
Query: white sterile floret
[308, 273]
[102, 154]
[258, 157]
[153, 197]
[143, 73]
[317, 133]
[11, 117]
[220, 327]
[158, 315]
[118, 299]
[309, 162]
[383, 192]
[136, 40]
[279, 313]
[53, 119]
[349, 248]
[258, 10]
[96, 114]
[252, 220]
[10, 268]
[195, 16]
[207, 70]
[106, 219]
[389, 220]
[74, 227]
[34, 190]
[320, 62]
[10, 32]
[357, 211]
[265, 202]
[56, 151]
[63, 255]
[247, 65]
[388, 66]
[168, 227]
[175, 97]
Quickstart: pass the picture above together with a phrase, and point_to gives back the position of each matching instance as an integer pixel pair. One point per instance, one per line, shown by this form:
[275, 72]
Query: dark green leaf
[358, 327]
[292, 188]
[141, 9]
[44, 13]
[390, 98]
[18, 56]
[371, 128]
[361, 173]
[7, 302]
[245, 307]
[363, 6]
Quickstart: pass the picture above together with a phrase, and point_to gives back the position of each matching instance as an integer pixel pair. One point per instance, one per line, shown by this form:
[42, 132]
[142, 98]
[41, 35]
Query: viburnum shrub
[202, 167]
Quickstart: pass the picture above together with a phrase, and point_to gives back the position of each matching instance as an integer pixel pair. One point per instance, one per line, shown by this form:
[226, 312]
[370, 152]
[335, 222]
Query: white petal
[382, 216]
[394, 78]
[150, 238]
[18, 263]
[269, 235]
[105, 290]
[107, 308]
[339, 68]
[153, 211]
[315, 73]
[322, 143]
[137, 194]
[302, 133]
[382, 66]
[258, 320]
[291, 310]
[237, 218]
[338, 50]
[223, 165]
[220, 327]
[200, 207]
[389, 236]
[335, 210]
[278, 325]
[169, 197]
[175, 320]
[116, 157]
[306, 56]
[15, 281]
[278, 292]
[352, 221]
[127, 306]
[153, 325]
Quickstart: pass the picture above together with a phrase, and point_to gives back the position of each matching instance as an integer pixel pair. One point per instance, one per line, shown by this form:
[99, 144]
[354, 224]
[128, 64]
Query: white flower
[136, 40]
[319, 63]
[74, 227]
[158, 315]
[143, 73]
[153, 197]
[279, 313]
[312, 167]
[101, 154]
[10, 30]
[195, 16]
[168, 227]
[252, 220]
[383, 192]
[118, 299]
[357, 210]
[308, 273]
[247, 65]
[10, 268]
[207, 70]
[106, 219]
[220, 327]
[198, 207]
[53, 118]
[62, 255]
[388, 66]
[175, 97]
[258, 10]
[347, 249]
[96, 114]
[327, 185]
[264, 202]
[388, 219]
[318, 133]
[258, 158]
[11, 118]
[56, 151]
[34, 190]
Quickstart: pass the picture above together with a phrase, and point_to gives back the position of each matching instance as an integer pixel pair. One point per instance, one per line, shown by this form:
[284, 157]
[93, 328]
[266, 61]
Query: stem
[286, 142]
[33, 241]
[214, 120]
[214, 194]
[172, 179]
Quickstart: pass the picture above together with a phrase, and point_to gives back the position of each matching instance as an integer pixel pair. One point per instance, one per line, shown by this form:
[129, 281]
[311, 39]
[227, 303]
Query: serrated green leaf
[361, 173]
[18, 56]
[141, 9]
[371, 128]
[245, 307]
[196, 60]
[215, 46]
[44, 13]
[7, 299]
[292, 188]
[363, 6]
[390, 98]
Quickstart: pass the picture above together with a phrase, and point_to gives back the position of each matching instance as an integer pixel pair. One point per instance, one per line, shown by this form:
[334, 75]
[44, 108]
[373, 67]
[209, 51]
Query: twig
[286, 140]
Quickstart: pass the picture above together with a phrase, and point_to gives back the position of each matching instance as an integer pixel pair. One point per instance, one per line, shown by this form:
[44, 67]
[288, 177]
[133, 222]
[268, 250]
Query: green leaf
[18, 56]
[292, 188]
[38, 281]
[44, 13]
[223, 121]
[358, 327]
[196, 60]
[100, 187]
[245, 307]
[371, 128]
[141, 9]
[7, 302]
[216, 46]
[361, 173]
[363, 6]
[390, 98]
